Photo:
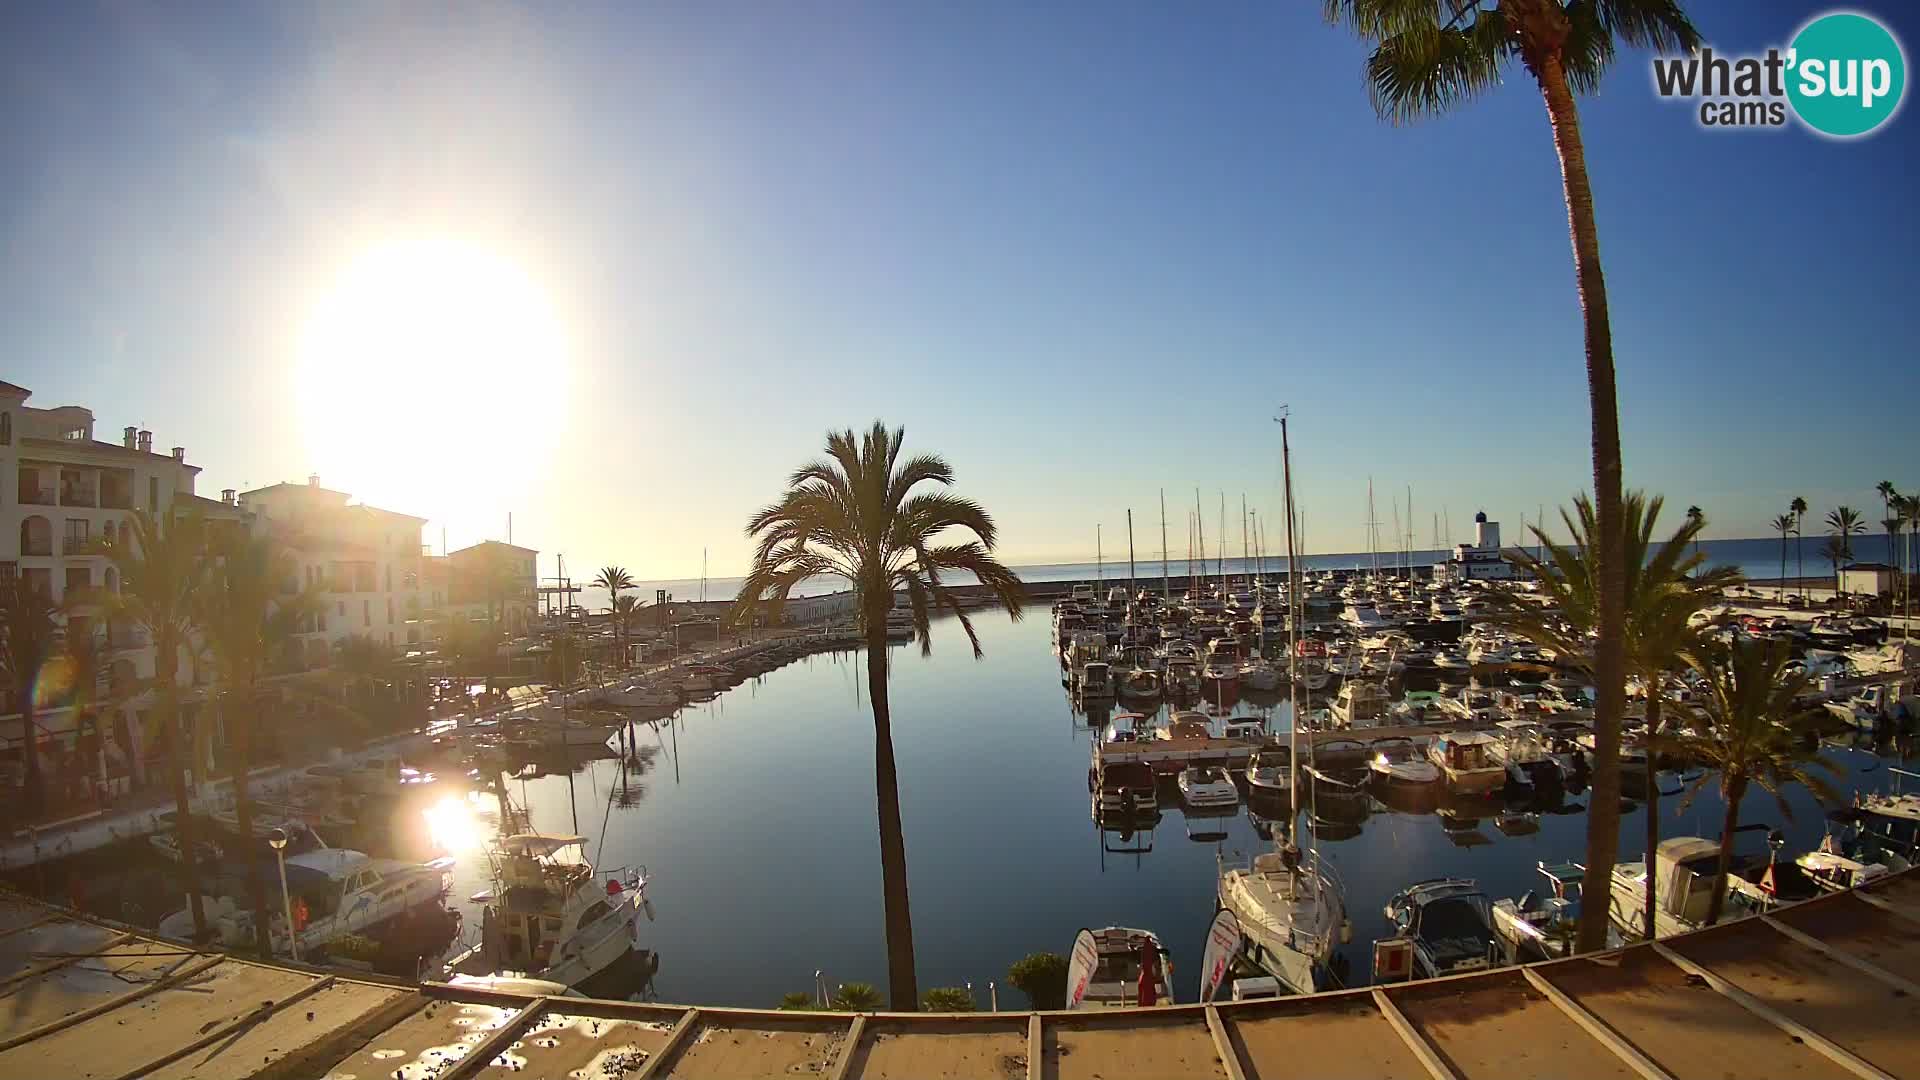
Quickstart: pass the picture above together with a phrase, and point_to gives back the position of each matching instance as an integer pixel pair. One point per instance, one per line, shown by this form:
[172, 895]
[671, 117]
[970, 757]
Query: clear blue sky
[1081, 249]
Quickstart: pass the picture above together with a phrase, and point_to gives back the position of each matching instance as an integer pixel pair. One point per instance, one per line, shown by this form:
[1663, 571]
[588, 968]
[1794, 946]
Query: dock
[1828, 988]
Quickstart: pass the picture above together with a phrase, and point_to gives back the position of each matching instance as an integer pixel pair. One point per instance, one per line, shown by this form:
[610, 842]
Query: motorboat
[1474, 705]
[1124, 793]
[1183, 676]
[1686, 867]
[1834, 872]
[1095, 681]
[1539, 926]
[1207, 787]
[1520, 747]
[1269, 778]
[1399, 762]
[1185, 725]
[1221, 672]
[1118, 967]
[1359, 704]
[1450, 924]
[1292, 915]
[1259, 675]
[1417, 707]
[331, 892]
[1451, 660]
[1140, 684]
[548, 916]
[1863, 711]
[1889, 824]
[1466, 758]
[1244, 727]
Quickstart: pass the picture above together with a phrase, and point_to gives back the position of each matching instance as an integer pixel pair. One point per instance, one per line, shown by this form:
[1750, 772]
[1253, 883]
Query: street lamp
[278, 838]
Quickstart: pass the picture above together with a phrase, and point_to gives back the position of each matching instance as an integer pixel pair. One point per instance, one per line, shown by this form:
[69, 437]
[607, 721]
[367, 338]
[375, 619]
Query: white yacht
[1683, 893]
[1291, 913]
[1105, 968]
[1400, 762]
[332, 892]
[1207, 787]
[1467, 760]
[549, 917]
[1363, 616]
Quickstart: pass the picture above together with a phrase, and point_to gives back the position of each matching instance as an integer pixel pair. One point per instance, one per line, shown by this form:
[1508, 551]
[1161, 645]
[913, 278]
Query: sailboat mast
[1293, 631]
[1200, 530]
[1130, 581]
[1222, 553]
[1099, 560]
[1166, 583]
[1373, 533]
[1246, 555]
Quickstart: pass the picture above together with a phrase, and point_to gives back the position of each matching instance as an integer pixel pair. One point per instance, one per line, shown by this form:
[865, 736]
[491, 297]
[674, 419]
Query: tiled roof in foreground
[1825, 989]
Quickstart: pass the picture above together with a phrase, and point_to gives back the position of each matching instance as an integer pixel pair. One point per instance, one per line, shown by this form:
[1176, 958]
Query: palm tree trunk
[1609, 666]
[1732, 790]
[242, 735]
[182, 816]
[1800, 560]
[902, 992]
[35, 790]
[1653, 807]
[1783, 567]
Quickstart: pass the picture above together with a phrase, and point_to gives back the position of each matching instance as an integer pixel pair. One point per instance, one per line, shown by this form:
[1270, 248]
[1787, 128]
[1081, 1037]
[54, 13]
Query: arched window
[36, 536]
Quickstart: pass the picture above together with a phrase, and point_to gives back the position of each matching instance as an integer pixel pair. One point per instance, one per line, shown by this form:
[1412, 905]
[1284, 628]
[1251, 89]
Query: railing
[36, 496]
[73, 496]
[76, 545]
[116, 500]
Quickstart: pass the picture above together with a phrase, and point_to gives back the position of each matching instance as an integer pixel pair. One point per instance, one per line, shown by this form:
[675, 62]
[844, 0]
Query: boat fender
[1346, 931]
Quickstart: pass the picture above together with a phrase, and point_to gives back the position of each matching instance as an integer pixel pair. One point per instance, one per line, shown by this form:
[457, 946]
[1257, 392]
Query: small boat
[1450, 924]
[1124, 793]
[1259, 675]
[1834, 872]
[1118, 967]
[1399, 762]
[1096, 680]
[548, 917]
[1207, 787]
[1537, 927]
[1183, 676]
[1222, 673]
[1359, 704]
[1683, 894]
[1466, 758]
[1268, 776]
[1244, 727]
[1520, 747]
[1142, 683]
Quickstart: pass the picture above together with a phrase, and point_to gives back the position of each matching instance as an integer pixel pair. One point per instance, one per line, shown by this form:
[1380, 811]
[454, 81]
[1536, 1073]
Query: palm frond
[1424, 71]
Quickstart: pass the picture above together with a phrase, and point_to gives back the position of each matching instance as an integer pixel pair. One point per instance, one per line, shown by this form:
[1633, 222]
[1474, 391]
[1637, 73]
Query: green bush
[856, 997]
[1042, 976]
[948, 999]
[797, 1001]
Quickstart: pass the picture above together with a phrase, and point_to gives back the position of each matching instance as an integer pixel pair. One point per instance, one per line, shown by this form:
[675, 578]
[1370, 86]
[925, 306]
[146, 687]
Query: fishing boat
[1467, 761]
[1118, 967]
[549, 917]
[1544, 926]
[1292, 913]
[1450, 924]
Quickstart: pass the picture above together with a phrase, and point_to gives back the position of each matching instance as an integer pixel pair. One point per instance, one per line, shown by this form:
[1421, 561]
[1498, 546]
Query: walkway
[1825, 989]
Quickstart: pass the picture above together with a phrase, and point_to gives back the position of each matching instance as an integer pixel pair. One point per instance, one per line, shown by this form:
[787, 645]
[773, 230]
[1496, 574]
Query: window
[153, 493]
[366, 612]
[6, 429]
[75, 541]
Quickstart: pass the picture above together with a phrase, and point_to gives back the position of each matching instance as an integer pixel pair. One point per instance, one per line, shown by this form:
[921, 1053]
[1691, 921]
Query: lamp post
[278, 838]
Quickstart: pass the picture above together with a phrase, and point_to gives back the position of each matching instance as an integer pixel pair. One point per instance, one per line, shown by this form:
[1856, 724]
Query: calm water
[756, 818]
[1757, 558]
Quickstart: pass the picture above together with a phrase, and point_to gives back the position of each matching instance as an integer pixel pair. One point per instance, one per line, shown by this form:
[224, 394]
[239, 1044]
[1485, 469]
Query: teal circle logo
[1846, 74]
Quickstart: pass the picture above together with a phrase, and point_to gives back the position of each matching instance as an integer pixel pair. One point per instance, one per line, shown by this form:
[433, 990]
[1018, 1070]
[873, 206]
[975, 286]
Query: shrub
[856, 997]
[797, 1001]
[948, 999]
[1043, 978]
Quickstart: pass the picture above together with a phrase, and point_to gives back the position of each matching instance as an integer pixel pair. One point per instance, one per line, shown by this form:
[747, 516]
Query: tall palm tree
[614, 579]
[1799, 508]
[84, 658]
[855, 514]
[1893, 524]
[1783, 525]
[27, 641]
[1909, 507]
[162, 572]
[625, 610]
[1835, 552]
[1666, 587]
[1430, 57]
[1845, 523]
[247, 622]
[1699, 517]
[1756, 733]
[1887, 494]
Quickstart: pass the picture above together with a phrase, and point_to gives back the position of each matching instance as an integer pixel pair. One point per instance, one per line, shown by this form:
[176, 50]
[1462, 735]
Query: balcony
[75, 495]
[77, 545]
[116, 500]
[36, 495]
[39, 545]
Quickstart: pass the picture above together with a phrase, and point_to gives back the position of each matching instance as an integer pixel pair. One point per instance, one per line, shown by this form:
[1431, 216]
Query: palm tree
[1893, 524]
[1423, 66]
[1756, 733]
[1666, 587]
[1909, 507]
[161, 574]
[84, 659]
[614, 579]
[247, 621]
[1696, 515]
[855, 515]
[625, 610]
[1783, 525]
[1799, 508]
[1835, 552]
[1887, 494]
[27, 636]
[1845, 522]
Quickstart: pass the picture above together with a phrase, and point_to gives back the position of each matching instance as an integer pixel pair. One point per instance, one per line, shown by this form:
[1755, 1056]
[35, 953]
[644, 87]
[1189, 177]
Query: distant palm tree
[1909, 507]
[27, 642]
[1835, 552]
[1887, 494]
[1799, 509]
[162, 571]
[855, 515]
[1699, 517]
[1666, 587]
[248, 622]
[1757, 732]
[614, 579]
[1845, 523]
[625, 610]
[1783, 525]
[1427, 59]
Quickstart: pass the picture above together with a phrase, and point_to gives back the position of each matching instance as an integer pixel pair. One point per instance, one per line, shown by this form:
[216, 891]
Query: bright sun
[421, 369]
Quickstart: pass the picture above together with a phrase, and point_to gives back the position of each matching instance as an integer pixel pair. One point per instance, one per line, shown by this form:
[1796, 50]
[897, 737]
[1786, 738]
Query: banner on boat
[1223, 944]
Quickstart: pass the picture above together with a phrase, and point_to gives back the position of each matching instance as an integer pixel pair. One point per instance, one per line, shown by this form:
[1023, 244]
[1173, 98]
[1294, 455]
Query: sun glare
[424, 358]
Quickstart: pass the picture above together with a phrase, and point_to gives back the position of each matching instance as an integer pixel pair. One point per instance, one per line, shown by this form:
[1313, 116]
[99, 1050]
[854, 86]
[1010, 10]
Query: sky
[615, 269]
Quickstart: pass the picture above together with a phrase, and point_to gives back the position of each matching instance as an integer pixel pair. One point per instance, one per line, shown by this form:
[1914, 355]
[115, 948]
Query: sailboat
[1291, 910]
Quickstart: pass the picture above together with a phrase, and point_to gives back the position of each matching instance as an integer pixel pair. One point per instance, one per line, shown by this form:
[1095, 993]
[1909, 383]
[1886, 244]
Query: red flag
[1149, 974]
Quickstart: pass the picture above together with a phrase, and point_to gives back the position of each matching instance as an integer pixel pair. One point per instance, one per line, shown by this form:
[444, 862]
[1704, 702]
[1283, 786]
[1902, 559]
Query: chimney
[313, 479]
[227, 496]
[145, 444]
[179, 453]
[126, 438]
